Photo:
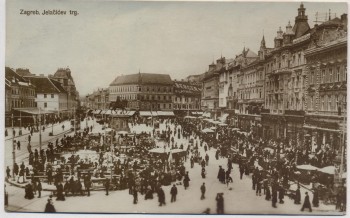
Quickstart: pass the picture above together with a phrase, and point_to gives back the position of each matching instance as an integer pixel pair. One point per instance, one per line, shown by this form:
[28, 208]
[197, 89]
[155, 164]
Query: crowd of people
[271, 164]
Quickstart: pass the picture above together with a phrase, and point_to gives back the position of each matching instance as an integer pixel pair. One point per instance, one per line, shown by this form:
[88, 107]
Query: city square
[257, 133]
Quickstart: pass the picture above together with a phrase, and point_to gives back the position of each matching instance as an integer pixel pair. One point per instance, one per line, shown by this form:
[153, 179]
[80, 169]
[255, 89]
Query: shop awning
[34, 111]
[206, 115]
[165, 113]
[146, 113]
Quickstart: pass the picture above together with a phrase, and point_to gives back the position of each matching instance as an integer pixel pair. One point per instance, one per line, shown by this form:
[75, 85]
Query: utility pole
[39, 129]
[13, 150]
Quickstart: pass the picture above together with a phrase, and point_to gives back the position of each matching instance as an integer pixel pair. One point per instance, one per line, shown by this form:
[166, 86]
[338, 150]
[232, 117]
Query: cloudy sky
[111, 38]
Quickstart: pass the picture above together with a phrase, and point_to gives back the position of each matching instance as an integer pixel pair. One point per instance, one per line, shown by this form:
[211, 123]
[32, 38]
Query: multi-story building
[225, 79]
[50, 96]
[210, 87]
[250, 91]
[64, 76]
[187, 97]
[285, 64]
[98, 100]
[326, 85]
[144, 91]
[19, 94]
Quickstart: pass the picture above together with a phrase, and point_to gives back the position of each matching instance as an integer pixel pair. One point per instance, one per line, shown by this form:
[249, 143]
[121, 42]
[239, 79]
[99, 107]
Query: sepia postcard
[175, 107]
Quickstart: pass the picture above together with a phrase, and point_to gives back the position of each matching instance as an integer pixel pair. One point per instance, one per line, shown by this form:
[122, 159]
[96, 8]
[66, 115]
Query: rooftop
[143, 79]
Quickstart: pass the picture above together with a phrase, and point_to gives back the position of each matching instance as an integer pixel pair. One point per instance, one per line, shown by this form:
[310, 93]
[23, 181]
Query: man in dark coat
[161, 196]
[186, 180]
[297, 198]
[49, 208]
[220, 203]
[306, 203]
[315, 199]
[87, 184]
[281, 194]
[241, 170]
[206, 157]
[135, 195]
[39, 188]
[274, 196]
[173, 193]
[107, 186]
[203, 189]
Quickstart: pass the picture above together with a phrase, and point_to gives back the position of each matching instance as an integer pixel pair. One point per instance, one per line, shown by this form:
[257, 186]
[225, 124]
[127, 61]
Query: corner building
[144, 91]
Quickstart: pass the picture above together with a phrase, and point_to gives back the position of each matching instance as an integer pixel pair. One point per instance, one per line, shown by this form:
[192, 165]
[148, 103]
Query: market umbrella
[190, 117]
[235, 129]
[122, 132]
[307, 167]
[222, 124]
[207, 130]
[216, 122]
[328, 170]
[213, 128]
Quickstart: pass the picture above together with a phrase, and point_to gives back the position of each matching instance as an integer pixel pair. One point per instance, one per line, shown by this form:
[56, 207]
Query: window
[52, 95]
[45, 105]
[45, 95]
[338, 74]
[312, 77]
[323, 76]
[345, 73]
[329, 103]
[330, 75]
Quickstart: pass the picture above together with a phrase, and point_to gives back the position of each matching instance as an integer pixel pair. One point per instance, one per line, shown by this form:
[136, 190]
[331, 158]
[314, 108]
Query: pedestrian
[186, 181]
[59, 191]
[49, 208]
[107, 186]
[18, 145]
[297, 198]
[63, 127]
[173, 193]
[268, 193]
[220, 203]
[39, 188]
[28, 189]
[281, 194]
[203, 189]
[161, 197]
[203, 172]
[306, 203]
[258, 187]
[241, 170]
[206, 156]
[87, 185]
[135, 195]
[29, 138]
[8, 172]
[315, 199]
[274, 197]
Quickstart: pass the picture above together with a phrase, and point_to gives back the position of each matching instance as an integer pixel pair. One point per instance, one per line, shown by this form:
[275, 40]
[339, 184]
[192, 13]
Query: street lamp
[39, 128]
[13, 148]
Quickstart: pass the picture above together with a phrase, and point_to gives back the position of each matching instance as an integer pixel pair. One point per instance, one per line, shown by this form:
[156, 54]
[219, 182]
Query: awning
[122, 113]
[165, 113]
[223, 118]
[146, 113]
[206, 115]
[197, 112]
[34, 111]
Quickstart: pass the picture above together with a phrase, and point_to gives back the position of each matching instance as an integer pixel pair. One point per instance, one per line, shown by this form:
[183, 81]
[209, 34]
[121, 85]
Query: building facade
[144, 91]
[98, 100]
[50, 95]
[250, 92]
[19, 93]
[326, 86]
[210, 87]
[187, 97]
[64, 76]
